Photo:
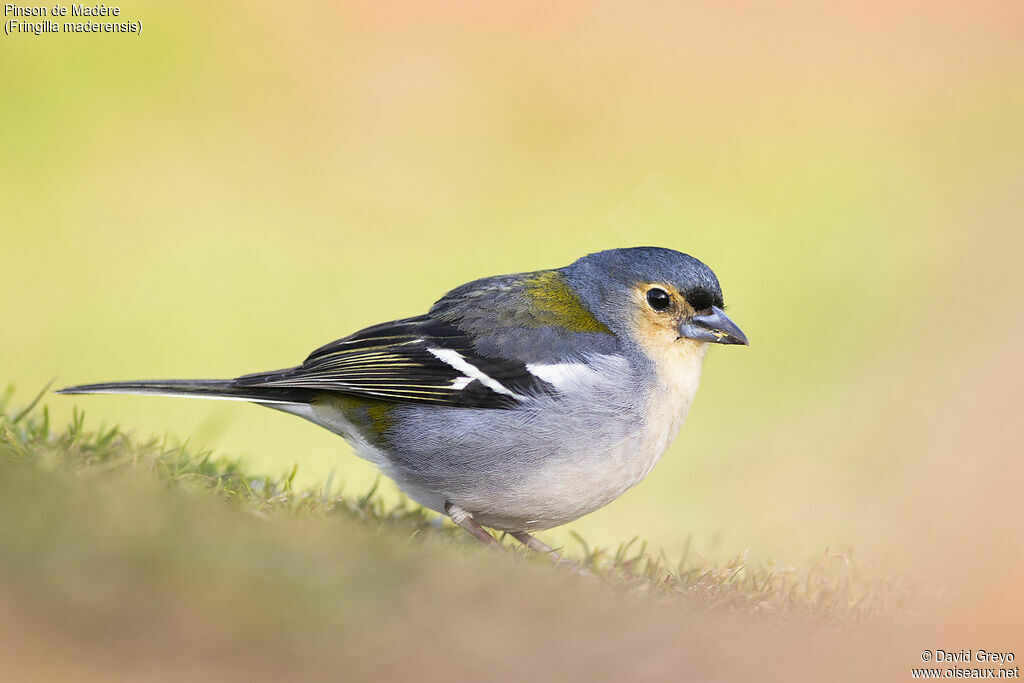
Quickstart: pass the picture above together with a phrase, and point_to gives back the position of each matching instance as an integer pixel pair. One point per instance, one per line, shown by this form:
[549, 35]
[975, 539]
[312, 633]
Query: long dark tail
[224, 389]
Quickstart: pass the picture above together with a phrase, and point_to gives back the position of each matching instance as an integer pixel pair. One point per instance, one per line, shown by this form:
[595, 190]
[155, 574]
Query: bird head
[654, 296]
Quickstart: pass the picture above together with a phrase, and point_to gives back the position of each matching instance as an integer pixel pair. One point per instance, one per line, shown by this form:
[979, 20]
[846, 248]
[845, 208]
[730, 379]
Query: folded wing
[415, 360]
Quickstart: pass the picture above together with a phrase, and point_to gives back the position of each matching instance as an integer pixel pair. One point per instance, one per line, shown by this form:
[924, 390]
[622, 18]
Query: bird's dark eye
[658, 299]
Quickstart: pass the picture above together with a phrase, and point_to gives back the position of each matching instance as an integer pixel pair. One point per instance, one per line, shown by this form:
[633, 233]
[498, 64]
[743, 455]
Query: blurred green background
[246, 181]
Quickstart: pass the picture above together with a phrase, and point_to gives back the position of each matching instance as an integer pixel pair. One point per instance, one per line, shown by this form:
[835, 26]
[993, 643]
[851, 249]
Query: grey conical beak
[714, 327]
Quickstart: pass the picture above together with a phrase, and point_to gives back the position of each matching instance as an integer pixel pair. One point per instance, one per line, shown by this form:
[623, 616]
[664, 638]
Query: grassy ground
[148, 557]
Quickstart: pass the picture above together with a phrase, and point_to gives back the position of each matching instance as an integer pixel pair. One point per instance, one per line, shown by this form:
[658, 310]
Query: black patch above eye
[658, 299]
[702, 299]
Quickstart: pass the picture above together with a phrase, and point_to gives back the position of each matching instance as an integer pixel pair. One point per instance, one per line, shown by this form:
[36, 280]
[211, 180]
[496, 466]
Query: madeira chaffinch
[518, 402]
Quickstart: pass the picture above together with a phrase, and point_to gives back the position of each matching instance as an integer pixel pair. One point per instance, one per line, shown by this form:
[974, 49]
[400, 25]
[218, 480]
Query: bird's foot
[539, 546]
[532, 542]
[466, 521]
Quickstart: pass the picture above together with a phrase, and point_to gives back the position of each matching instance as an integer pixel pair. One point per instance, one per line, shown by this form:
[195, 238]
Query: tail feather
[223, 389]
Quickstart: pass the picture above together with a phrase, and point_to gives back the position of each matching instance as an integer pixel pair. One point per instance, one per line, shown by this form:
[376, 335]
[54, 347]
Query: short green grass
[98, 460]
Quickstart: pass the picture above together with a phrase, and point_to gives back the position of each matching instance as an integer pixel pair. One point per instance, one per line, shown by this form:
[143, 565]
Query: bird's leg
[532, 542]
[538, 546]
[466, 521]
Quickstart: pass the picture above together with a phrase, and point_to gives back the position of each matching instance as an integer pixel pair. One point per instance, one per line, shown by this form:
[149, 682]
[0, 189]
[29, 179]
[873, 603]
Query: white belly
[568, 488]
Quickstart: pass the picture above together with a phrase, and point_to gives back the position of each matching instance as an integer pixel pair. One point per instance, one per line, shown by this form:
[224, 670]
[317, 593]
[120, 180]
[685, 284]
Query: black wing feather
[398, 362]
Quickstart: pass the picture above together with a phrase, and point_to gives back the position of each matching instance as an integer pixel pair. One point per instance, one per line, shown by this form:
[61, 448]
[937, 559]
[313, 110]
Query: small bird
[518, 402]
